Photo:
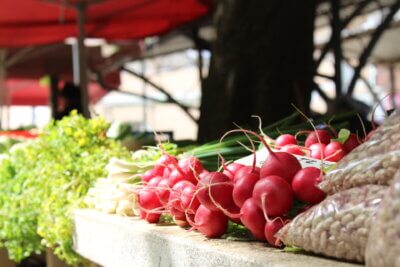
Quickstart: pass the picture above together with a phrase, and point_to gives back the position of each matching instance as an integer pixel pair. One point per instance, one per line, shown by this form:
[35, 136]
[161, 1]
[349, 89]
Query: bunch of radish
[320, 144]
[260, 198]
[169, 187]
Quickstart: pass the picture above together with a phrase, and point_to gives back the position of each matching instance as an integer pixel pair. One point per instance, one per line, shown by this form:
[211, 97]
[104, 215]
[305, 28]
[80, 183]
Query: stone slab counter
[115, 241]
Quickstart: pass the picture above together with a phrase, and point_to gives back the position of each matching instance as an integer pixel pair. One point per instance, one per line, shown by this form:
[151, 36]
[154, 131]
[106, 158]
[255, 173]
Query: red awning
[27, 92]
[35, 22]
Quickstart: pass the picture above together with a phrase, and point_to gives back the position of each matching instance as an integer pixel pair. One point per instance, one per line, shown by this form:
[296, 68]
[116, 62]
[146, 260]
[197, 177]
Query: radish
[190, 167]
[149, 217]
[149, 205]
[148, 199]
[253, 218]
[271, 228]
[154, 182]
[175, 194]
[281, 164]
[234, 213]
[179, 217]
[215, 191]
[176, 176]
[203, 173]
[312, 138]
[163, 162]
[243, 188]
[351, 143]
[210, 223]
[146, 177]
[273, 195]
[167, 172]
[317, 151]
[231, 169]
[244, 171]
[285, 139]
[305, 183]
[293, 149]
[278, 163]
[334, 151]
[189, 201]
[163, 190]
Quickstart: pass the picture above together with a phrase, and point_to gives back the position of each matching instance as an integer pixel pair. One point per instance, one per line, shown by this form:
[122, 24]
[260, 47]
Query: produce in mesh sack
[338, 226]
[373, 162]
[383, 248]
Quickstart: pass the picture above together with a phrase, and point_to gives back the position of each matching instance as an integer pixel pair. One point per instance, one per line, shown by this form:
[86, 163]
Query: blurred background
[190, 68]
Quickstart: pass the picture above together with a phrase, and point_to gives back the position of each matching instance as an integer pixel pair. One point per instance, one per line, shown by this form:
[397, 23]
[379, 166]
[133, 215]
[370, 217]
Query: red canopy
[27, 92]
[34, 22]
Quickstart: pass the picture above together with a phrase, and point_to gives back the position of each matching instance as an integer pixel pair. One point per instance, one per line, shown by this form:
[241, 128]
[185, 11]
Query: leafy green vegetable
[343, 135]
[43, 180]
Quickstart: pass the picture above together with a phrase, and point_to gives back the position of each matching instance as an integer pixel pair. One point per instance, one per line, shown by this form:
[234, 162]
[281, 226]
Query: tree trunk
[262, 62]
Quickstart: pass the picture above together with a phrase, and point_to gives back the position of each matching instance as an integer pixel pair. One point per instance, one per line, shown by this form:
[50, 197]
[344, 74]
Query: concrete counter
[115, 241]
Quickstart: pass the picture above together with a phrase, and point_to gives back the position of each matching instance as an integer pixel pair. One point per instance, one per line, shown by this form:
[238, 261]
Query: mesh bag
[383, 248]
[373, 162]
[338, 226]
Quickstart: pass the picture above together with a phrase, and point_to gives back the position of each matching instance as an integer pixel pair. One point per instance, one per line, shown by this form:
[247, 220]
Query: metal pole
[2, 79]
[80, 11]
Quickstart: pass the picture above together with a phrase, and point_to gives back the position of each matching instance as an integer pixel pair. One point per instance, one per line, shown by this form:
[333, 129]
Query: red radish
[312, 138]
[166, 160]
[305, 183]
[148, 199]
[243, 188]
[163, 190]
[234, 213]
[191, 167]
[215, 189]
[334, 151]
[281, 164]
[253, 218]
[163, 162]
[189, 201]
[203, 173]
[175, 194]
[351, 143]
[179, 217]
[317, 151]
[244, 171]
[154, 182]
[146, 177]
[278, 163]
[167, 172]
[285, 139]
[231, 169]
[271, 228]
[273, 195]
[149, 217]
[149, 202]
[175, 176]
[210, 223]
[293, 149]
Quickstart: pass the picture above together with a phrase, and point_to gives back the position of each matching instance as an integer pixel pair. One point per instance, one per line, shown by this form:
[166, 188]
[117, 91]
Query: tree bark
[262, 62]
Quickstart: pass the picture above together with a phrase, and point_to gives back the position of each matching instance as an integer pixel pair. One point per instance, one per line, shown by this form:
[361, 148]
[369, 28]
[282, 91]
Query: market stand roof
[35, 22]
